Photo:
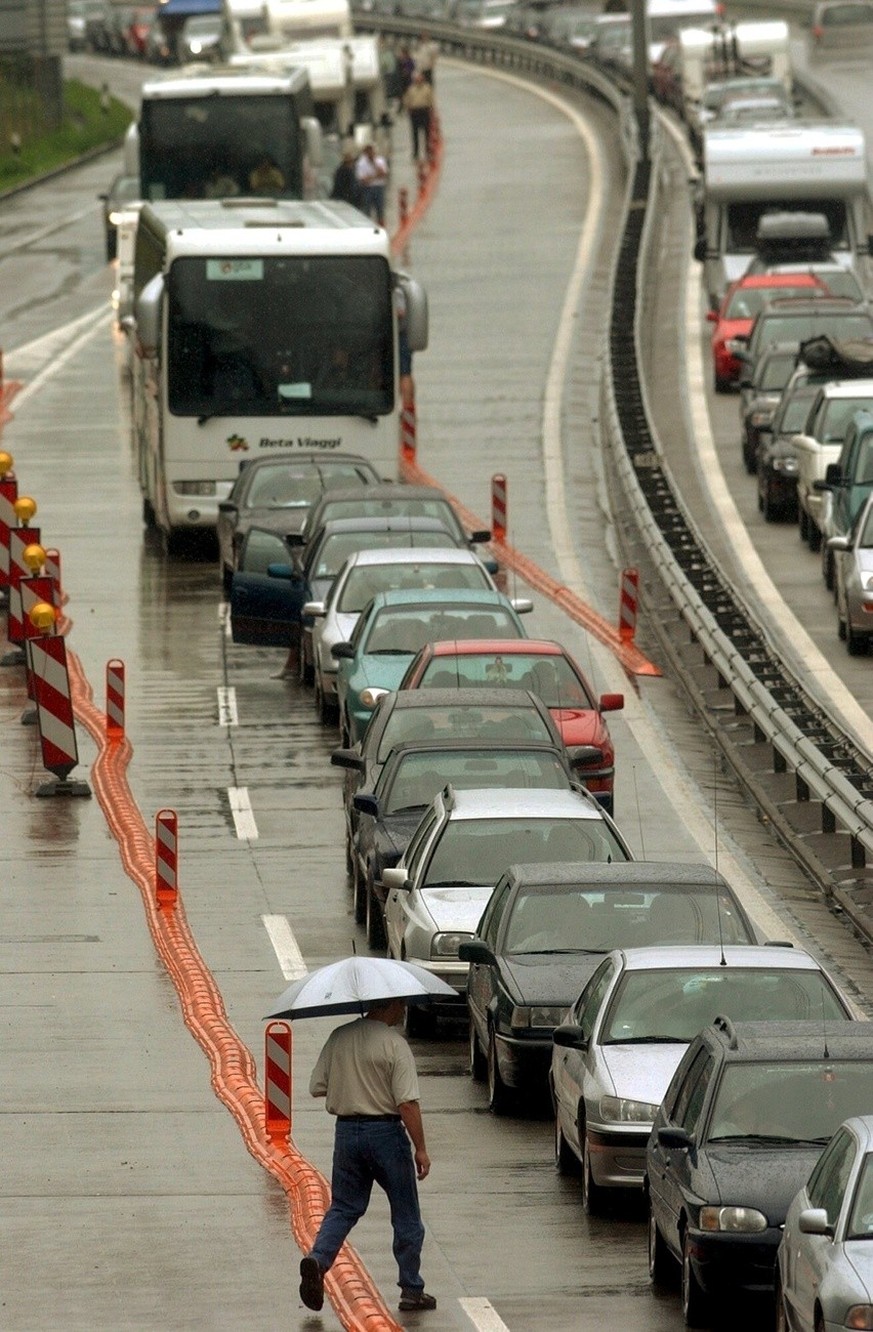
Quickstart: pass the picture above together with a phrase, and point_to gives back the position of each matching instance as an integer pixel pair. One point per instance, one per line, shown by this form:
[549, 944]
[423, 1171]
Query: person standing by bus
[418, 101]
[371, 172]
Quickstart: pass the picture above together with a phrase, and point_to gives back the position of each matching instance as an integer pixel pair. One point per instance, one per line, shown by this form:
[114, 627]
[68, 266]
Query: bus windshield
[217, 147]
[270, 336]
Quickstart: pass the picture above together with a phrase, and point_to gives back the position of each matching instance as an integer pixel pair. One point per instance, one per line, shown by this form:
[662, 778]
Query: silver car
[613, 1059]
[853, 581]
[825, 1261]
[437, 892]
[363, 576]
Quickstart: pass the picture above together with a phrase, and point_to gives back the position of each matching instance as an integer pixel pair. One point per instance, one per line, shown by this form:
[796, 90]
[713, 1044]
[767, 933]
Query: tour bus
[204, 131]
[260, 326]
[244, 23]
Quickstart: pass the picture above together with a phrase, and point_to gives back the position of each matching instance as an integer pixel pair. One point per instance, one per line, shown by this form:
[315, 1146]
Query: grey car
[824, 1268]
[853, 582]
[613, 1060]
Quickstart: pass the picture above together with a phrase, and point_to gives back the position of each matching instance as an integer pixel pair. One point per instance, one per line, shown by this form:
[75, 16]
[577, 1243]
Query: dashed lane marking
[285, 947]
[243, 816]
[482, 1314]
[227, 713]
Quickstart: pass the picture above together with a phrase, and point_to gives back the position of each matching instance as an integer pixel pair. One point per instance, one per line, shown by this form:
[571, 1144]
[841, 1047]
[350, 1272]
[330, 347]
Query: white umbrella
[352, 985]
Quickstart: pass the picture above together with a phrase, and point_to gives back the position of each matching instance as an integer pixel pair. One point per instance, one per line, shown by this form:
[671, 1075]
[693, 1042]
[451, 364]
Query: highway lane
[502, 1226]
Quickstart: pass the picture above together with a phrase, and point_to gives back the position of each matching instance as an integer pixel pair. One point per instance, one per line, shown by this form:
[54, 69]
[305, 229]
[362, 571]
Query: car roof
[758, 956]
[385, 490]
[314, 459]
[423, 555]
[478, 745]
[469, 647]
[490, 696]
[775, 280]
[388, 523]
[848, 388]
[816, 305]
[529, 803]
[862, 1127]
[744, 1042]
[432, 596]
[621, 874]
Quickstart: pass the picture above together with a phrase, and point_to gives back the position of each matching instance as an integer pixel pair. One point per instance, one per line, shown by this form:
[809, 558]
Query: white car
[436, 894]
[613, 1059]
[820, 443]
[363, 576]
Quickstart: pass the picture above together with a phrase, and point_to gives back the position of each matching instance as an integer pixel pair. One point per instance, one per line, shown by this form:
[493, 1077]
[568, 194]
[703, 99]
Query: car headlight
[620, 1110]
[547, 1016]
[740, 1219]
[194, 487]
[859, 1317]
[759, 419]
[447, 945]
[787, 465]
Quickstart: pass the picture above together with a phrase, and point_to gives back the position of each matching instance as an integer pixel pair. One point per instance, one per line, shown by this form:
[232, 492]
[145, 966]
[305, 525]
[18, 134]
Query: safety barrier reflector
[115, 699]
[498, 506]
[166, 857]
[627, 608]
[19, 538]
[47, 658]
[8, 520]
[277, 1080]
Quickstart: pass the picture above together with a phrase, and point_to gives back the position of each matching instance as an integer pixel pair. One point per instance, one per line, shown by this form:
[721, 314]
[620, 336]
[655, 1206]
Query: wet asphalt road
[127, 1186]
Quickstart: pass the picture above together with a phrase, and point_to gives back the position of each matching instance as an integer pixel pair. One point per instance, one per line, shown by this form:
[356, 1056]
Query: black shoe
[416, 1299]
[311, 1283]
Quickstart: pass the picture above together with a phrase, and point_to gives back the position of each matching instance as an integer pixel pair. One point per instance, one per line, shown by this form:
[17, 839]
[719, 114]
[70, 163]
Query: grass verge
[87, 124]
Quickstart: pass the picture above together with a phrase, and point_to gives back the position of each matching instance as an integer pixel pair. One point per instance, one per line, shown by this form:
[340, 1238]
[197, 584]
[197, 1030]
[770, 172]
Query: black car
[743, 1122]
[436, 714]
[413, 774]
[545, 931]
[760, 392]
[390, 501]
[278, 492]
[123, 191]
[777, 456]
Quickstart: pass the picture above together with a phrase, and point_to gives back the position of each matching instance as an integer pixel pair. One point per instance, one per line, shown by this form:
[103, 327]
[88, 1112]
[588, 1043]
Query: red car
[546, 669]
[742, 301]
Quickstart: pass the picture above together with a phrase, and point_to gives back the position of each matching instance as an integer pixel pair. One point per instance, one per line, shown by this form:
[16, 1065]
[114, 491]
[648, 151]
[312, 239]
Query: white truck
[731, 51]
[796, 166]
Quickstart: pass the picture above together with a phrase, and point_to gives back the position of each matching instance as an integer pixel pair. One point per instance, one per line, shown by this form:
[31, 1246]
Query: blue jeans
[364, 1153]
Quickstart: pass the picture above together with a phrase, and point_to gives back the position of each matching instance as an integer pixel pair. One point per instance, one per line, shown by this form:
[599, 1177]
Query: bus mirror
[148, 316]
[312, 136]
[416, 312]
[131, 150]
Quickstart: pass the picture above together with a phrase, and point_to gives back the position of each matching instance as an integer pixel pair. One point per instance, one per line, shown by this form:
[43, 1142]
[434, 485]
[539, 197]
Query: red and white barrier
[166, 857]
[498, 506]
[53, 569]
[627, 609]
[115, 699]
[47, 659]
[8, 520]
[19, 539]
[277, 1080]
[403, 205]
[407, 431]
[36, 603]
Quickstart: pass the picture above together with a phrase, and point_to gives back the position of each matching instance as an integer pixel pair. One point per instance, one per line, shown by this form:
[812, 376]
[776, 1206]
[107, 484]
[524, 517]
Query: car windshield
[775, 373]
[838, 416]
[840, 282]
[462, 723]
[866, 525]
[294, 487]
[792, 414]
[261, 550]
[749, 301]
[551, 677]
[674, 1004]
[787, 1101]
[366, 581]
[799, 327]
[860, 1224]
[600, 921]
[420, 777]
[395, 630]
[477, 851]
[338, 546]
[836, 16]
[393, 508]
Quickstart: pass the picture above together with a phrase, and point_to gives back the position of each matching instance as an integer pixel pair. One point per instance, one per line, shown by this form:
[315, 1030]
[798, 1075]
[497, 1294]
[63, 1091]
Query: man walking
[367, 1074]
[418, 101]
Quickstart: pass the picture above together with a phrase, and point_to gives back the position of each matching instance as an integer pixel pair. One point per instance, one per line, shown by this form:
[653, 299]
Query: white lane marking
[482, 1315]
[224, 618]
[82, 331]
[227, 713]
[782, 625]
[285, 947]
[243, 816]
[563, 542]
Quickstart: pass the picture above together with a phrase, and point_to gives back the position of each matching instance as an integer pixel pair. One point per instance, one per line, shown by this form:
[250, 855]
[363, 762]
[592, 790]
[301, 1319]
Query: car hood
[456, 908]
[549, 978]
[377, 672]
[580, 726]
[339, 627]
[642, 1072]
[864, 560]
[859, 1254]
[750, 1175]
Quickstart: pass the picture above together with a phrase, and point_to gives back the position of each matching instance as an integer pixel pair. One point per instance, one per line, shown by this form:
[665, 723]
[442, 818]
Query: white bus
[259, 326]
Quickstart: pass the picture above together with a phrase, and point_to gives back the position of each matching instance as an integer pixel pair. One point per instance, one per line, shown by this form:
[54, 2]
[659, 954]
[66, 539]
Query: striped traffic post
[8, 518]
[627, 609]
[166, 858]
[47, 659]
[403, 205]
[498, 506]
[407, 431]
[115, 699]
[36, 601]
[20, 538]
[277, 1081]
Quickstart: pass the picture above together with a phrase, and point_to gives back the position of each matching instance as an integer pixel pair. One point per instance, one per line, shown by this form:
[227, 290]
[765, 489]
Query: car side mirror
[521, 605]
[340, 651]
[839, 543]
[833, 475]
[712, 316]
[699, 251]
[492, 566]
[570, 1036]
[395, 877]
[296, 539]
[814, 1221]
[315, 610]
[348, 758]
[611, 702]
[366, 803]
[481, 534]
[282, 571]
[227, 506]
[584, 754]
[476, 950]
[679, 1139]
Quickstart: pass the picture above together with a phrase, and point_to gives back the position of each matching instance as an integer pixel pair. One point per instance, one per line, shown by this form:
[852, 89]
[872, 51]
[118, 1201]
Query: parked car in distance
[742, 1123]
[391, 501]
[848, 481]
[437, 892]
[794, 319]
[200, 38]
[824, 1268]
[853, 581]
[760, 393]
[743, 300]
[841, 27]
[614, 1059]
[547, 669]
[123, 191]
[412, 777]
[546, 930]
[76, 37]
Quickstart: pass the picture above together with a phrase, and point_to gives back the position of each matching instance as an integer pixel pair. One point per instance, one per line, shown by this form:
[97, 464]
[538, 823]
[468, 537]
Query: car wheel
[721, 385]
[694, 1302]
[841, 628]
[828, 571]
[750, 457]
[375, 922]
[499, 1095]
[226, 579]
[420, 1022]
[856, 644]
[307, 672]
[593, 1195]
[814, 538]
[478, 1062]
[111, 244]
[359, 895]
[565, 1161]
[661, 1267]
[782, 1324]
[323, 706]
[148, 513]
[803, 522]
[771, 510]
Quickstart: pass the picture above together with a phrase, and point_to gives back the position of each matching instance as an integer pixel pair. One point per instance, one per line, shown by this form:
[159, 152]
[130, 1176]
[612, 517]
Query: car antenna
[639, 813]
[457, 666]
[826, 1054]
[723, 959]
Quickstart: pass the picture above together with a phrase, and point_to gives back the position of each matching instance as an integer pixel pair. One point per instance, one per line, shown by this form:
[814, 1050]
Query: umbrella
[352, 985]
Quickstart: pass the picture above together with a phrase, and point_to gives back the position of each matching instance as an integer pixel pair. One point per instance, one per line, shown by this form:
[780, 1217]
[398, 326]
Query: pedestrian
[345, 182]
[425, 57]
[371, 173]
[419, 103]
[405, 70]
[367, 1075]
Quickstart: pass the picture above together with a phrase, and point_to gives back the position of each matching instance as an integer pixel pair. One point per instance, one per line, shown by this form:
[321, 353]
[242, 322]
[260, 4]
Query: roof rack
[722, 1023]
[449, 796]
